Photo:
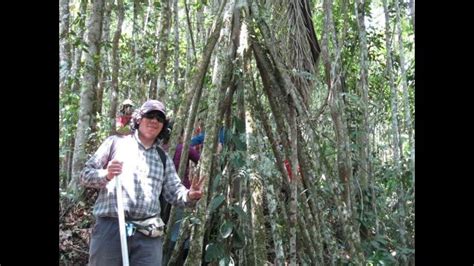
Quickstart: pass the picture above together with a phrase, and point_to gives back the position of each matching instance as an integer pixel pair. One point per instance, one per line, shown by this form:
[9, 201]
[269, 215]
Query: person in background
[198, 140]
[123, 124]
[193, 156]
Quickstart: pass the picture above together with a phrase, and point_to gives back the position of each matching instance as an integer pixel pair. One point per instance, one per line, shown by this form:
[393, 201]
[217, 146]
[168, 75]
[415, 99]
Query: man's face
[151, 124]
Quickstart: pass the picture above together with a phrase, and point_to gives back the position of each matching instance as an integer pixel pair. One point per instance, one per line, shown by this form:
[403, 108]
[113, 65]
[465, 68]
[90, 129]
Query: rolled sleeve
[95, 172]
[173, 190]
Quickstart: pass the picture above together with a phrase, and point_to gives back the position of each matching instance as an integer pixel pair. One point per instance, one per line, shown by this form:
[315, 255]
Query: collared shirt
[142, 178]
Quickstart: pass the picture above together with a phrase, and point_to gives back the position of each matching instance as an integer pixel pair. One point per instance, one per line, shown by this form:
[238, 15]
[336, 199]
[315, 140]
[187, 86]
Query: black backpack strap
[162, 154]
[165, 206]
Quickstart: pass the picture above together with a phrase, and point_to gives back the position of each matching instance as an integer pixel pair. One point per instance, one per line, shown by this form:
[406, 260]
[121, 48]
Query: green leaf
[238, 124]
[237, 160]
[240, 144]
[194, 220]
[240, 212]
[226, 229]
[216, 202]
[238, 241]
[216, 182]
[227, 261]
[375, 244]
[214, 252]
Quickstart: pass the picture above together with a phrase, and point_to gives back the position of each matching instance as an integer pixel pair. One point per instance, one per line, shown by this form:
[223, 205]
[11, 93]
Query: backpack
[165, 206]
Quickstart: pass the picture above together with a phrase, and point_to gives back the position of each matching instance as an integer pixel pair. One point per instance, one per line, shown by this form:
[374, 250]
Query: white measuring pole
[121, 218]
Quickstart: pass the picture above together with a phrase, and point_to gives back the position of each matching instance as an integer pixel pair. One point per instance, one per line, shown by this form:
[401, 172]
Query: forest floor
[75, 225]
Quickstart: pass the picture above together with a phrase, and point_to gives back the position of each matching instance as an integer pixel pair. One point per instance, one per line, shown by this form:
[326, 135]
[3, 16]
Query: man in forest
[136, 160]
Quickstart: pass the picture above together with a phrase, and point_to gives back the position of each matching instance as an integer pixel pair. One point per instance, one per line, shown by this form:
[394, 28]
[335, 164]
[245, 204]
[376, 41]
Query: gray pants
[105, 247]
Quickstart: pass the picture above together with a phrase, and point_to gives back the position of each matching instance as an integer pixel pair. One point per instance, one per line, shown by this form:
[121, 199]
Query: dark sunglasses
[157, 115]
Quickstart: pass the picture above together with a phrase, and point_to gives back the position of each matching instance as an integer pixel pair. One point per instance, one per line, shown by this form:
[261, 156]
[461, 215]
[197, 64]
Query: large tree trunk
[408, 128]
[135, 67]
[88, 94]
[393, 89]
[270, 194]
[104, 69]
[256, 194]
[303, 46]
[64, 46]
[201, 30]
[187, 98]
[176, 70]
[293, 183]
[114, 92]
[162, 56]
[64, 71]
[406, 98]
[395, 132]
[336, 106]
[210, 145]
[76, 66]
[364, 170]
[197, 84]
[75, 90]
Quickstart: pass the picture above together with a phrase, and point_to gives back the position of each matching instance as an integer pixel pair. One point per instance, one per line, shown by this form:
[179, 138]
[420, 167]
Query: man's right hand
[114, 168]
[195, 192]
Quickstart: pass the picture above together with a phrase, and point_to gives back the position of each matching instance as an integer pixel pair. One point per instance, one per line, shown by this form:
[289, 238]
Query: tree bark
[303, 47]
[406, 98]
[395, 130]
[176, 71]
[64, 45]
[88, 93]
[365, 169]
[162, 56]
[114, 92]
[195, 252]
[336, 106]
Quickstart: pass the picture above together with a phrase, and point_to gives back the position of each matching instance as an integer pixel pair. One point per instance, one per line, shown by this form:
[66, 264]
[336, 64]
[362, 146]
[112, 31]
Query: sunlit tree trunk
[162, 56]
[406, 98]
[197, 235]
[64, 46]
[393, 89]
[200, 29]
[64, 85]
[336, 106]
[76, 66]
[114, 92]
[88, 100]
[311, 211]
[75, 88]
[303, 47]
[270, 181]
[189, 92]
[176, 71]
[104, 70]
[135, 68]
[364, 170]
[408, 128]
[400, 219]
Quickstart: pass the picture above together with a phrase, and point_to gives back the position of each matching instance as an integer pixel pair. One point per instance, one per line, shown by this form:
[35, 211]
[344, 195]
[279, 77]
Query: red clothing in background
[193, 156]
[288, 169]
